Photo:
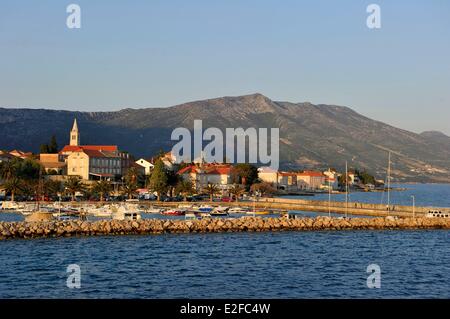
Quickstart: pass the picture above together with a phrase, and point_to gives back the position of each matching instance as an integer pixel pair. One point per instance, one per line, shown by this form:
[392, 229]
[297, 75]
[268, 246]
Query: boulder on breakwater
[9, 230]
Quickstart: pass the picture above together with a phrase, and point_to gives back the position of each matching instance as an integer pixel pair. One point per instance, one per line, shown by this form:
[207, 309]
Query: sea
[314, 264]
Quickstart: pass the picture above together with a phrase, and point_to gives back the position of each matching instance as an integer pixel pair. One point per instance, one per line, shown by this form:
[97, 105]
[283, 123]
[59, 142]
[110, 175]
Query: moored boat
[237, 210]
[123, 213]
[174, 212]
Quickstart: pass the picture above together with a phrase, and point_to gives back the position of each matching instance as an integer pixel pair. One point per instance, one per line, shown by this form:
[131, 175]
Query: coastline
[55, 229]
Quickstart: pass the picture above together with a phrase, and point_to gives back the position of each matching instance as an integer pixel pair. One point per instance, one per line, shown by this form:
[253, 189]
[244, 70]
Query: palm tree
[102, 188]
[8, 169]
[263, 188]
[132, 175]
[13, 185]
[237, 190]
[73, 185]
[129, 189]
[184, 187]
[211, 189]
[52, 188]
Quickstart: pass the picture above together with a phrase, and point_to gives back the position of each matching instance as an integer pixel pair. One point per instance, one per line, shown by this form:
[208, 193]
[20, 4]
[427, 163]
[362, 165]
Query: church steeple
[74, 134]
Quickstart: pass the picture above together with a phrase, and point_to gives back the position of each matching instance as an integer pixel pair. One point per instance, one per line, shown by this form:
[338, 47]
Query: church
[94, 162]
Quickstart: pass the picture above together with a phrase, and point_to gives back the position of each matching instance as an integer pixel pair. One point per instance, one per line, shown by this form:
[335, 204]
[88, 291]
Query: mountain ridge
[311, 135]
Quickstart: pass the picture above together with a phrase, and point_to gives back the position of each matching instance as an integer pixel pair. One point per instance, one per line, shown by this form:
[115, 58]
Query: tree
[263, 188]
[29, 169]
[43, 149]
[53, 146]
[73, 185]
[52, 188]
[132, 175]
[172, 180]
[185, 187]
[9, 169]
[159, 180]
[237, 190]
[245, 174]
[13, 185]
[343, 181]
[211, 190]
[129, 189]
[102, 188]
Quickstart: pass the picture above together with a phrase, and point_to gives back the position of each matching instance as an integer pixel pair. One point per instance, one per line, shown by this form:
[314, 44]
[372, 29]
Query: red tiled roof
[75, 148]
[287, 174]
[188, 169]
[219, 171]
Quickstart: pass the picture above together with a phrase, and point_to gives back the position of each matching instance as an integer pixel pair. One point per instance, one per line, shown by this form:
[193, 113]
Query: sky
[159, 53]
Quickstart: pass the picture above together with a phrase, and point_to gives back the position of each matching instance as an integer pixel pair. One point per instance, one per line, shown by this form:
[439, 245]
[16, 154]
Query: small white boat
[104, 211]
[123, 213]
[8, 205]
[154, 210]
[237, 210]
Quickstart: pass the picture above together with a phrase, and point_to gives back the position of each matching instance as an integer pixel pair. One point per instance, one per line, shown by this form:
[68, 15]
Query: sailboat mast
[346, 189]
[389, 182]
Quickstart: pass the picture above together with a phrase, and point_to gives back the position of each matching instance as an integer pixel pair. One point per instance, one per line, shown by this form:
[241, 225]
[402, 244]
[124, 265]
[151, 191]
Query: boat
[154, 210]
[237, 210]
[260, 212]
[174, 212]
[9, 205]
[104, 211]
[218, 213]
[437, 214]
[257, 212]
[205, 208]
[123, 213]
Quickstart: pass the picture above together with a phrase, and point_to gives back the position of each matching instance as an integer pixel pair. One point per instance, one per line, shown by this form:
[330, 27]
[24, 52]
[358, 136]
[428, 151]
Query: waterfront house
[331, 179]
[287, 181]
[146, 164]
[53, 163]
[202, 175]
[310, 180]
[21, 154]
[268, 175]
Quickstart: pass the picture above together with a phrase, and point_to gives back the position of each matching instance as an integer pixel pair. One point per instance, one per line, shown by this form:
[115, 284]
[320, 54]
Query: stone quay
[51, 229]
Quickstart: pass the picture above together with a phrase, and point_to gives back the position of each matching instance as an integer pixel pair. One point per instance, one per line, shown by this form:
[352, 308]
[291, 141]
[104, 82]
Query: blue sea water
[325, 264]
[232, 265]
[437, 195]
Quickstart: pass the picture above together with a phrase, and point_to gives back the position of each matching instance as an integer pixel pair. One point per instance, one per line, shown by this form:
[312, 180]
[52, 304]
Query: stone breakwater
[10, 230]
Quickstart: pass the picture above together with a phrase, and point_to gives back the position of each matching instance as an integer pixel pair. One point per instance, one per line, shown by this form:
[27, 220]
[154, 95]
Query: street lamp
[414, 206]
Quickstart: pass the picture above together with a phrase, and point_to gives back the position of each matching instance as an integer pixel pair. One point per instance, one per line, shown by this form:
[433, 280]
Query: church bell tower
[74, 134]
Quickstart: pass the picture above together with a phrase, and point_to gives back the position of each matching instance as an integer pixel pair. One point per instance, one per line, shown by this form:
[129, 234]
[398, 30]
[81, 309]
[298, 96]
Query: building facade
[94, 161]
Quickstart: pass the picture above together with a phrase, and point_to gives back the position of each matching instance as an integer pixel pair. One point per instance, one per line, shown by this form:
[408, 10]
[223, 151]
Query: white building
[146, 164]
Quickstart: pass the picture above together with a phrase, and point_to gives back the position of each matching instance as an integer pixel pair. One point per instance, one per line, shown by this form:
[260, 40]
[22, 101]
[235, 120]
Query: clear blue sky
[164, 52]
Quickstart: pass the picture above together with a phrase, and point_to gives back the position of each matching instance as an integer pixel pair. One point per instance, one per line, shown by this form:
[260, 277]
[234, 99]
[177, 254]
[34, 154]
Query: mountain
[311, 136]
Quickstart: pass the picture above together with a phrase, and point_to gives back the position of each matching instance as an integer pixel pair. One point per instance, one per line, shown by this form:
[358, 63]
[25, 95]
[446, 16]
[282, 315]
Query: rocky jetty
[42, 229]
